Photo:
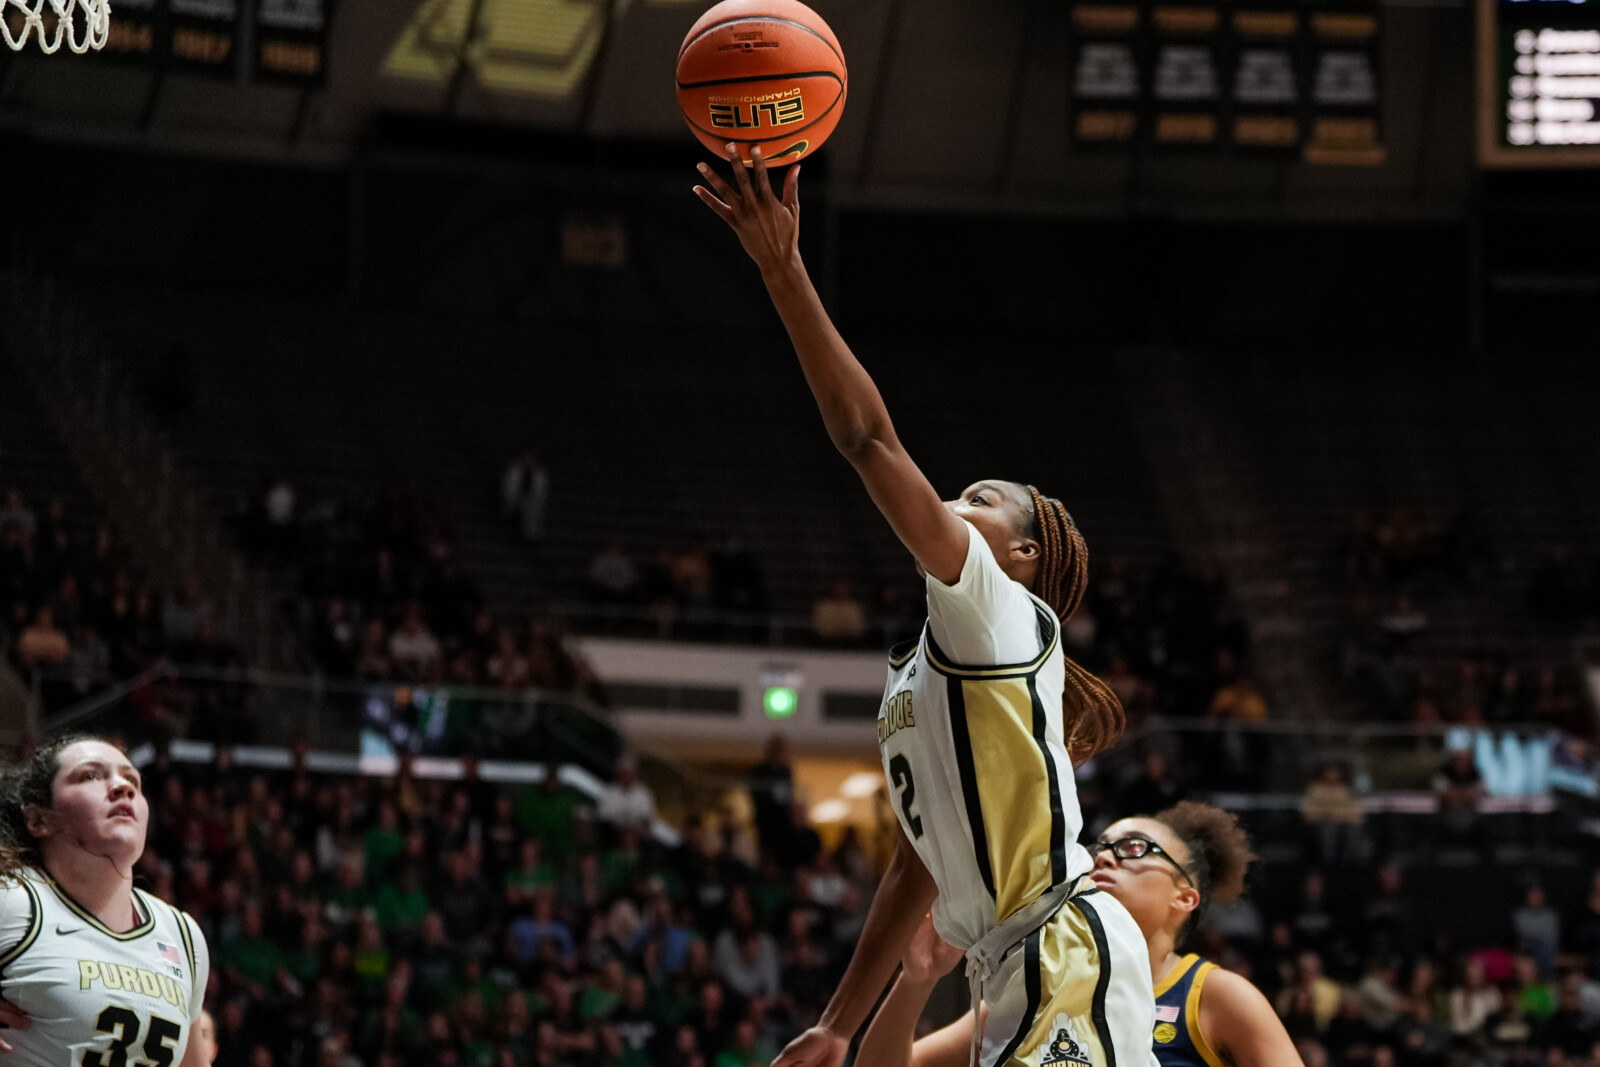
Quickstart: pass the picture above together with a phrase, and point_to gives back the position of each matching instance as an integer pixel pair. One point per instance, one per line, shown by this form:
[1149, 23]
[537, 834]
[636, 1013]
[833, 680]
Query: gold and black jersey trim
[961, 744]
[87, 916]
[188, 939]
[35, 924]
[903, 653]
[1050, 638]
[1033, 986]
[1102, 947]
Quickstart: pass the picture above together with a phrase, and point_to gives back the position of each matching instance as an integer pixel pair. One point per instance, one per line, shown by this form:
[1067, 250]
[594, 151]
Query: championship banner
[1266, 95]
[1344, 88]
[1187, 81]
[1249, 76]
[204, 36]
[291, 40]
[1108, 84]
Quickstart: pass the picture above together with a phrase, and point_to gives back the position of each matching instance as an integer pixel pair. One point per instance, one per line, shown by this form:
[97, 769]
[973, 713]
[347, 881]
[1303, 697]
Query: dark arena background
[415, 477]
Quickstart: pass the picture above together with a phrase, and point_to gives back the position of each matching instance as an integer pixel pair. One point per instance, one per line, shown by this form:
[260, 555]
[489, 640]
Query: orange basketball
[762, 72]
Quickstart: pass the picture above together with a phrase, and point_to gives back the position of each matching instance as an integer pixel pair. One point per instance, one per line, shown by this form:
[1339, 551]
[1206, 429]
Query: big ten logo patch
[1063, 1046]
[753, 112]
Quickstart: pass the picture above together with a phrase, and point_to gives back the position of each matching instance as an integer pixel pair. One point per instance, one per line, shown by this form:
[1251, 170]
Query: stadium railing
[368, 727]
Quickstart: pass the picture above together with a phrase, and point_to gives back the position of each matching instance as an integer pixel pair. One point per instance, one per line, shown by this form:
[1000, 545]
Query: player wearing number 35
[95, 973]
[982, 720]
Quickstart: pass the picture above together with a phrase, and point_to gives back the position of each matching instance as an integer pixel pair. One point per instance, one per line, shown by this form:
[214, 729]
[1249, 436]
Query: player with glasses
[1164, 870]
[1136, 847]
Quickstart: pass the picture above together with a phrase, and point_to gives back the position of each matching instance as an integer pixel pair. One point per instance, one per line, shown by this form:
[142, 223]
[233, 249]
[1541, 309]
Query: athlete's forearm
[852, 408]
[903, 897]
[888, 1042]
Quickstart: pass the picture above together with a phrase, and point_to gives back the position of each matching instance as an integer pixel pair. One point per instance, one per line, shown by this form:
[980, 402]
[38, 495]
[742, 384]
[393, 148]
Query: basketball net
[81, 24]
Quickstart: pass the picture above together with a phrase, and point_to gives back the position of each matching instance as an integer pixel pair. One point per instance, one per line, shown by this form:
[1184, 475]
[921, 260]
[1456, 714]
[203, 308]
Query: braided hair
[1219, 854]
[1094, 717]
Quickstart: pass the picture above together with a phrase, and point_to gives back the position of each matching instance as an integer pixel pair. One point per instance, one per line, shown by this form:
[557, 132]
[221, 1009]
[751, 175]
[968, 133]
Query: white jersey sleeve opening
[984, 617]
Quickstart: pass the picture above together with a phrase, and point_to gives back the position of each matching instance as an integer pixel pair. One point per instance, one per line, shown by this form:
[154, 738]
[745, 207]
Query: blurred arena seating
[1429, 484]
[702, 440]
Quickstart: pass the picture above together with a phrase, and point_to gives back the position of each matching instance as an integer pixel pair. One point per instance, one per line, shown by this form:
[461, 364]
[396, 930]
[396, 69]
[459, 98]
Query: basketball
[762, 72]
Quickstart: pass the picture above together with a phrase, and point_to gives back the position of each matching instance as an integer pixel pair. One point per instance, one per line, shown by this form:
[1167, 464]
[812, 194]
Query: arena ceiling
[953, 103]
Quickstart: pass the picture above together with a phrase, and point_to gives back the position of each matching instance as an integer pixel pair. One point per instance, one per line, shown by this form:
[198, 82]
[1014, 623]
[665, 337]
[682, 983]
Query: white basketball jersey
[98, 998]
[971, 737]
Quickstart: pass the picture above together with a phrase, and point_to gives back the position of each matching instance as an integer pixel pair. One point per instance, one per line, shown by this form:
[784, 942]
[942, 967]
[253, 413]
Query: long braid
[1093, 715]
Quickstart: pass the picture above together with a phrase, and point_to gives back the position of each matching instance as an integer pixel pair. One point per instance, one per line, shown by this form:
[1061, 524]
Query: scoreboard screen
[1296, 78]
[1538, 83]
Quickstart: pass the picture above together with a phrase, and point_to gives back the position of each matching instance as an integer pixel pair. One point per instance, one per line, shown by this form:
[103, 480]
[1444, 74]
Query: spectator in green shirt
[745, 1049]
[529, 876]
[382, 843]
[549, 813]
[371, 957]
[347, 898]
[603, 997]
[252, 959]
[304, 961]
[1534, 996]
[401, 905]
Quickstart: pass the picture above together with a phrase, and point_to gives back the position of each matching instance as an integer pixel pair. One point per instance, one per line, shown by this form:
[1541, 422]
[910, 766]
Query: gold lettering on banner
[1186, 129]
[1187, 19]
[1266, 23]
[1107, 18]
[1270, 130]
[1106, 125]
[1345, 27]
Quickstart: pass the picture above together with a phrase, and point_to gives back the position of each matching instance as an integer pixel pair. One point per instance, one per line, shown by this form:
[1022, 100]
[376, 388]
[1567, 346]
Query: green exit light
[780, 701]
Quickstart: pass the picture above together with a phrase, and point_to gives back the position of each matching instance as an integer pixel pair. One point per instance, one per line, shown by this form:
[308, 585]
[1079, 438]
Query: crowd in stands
[1395, 569]
[1362, 979]
[1167, 639]
[698, 589]
[381, 597]
[75, 613]
[368, 922]
[381, 923]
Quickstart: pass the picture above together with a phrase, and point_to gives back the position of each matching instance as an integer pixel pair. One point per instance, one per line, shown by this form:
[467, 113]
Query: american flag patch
[1167, 1013]
[170, 953]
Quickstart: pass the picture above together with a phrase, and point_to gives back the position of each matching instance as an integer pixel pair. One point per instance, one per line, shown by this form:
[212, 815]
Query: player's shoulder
[1229, 1000]
[21, 884]
[21, 913]
[986, 612]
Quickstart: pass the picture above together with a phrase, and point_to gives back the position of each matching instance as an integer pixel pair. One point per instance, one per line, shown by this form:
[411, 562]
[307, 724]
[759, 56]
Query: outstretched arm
[852, 409]
[903, 897]
[888, 1042]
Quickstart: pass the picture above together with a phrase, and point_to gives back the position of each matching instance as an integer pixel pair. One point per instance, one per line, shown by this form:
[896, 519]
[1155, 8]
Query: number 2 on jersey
[900, 771]
[124, 1026]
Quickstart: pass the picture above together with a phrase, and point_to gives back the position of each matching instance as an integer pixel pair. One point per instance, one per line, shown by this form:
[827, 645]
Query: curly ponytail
[1219, 853]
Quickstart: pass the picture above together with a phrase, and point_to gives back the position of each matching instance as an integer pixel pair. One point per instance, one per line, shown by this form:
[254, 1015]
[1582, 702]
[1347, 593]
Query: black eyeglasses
[1133, 848]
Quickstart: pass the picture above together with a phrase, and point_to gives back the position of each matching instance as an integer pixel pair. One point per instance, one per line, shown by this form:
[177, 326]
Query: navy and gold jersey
[1177, 1038]
[970, 732]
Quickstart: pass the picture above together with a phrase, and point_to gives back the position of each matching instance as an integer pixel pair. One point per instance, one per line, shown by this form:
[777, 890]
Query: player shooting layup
[95, 973]
[982, 719]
